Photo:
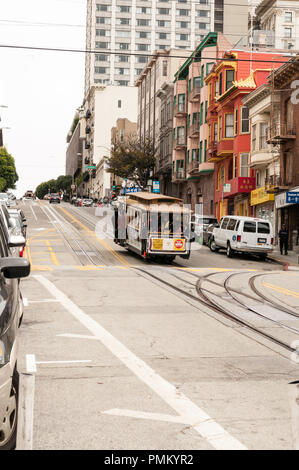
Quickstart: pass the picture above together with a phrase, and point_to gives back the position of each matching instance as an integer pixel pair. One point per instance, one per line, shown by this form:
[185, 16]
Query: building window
[122, 71]
[229, 125]
[100, 69]
[220, 176]
[236, 121]
[244, 165]
[183, 12]
[103, 20]
[204, 13]
[235, 165]
[103, 7]
[287, 32]
[102, 45]
[102, 32]
[102, 58]
[163, 11]
[220, 128]
[123, 46]
[182, 24]
[164, 68]
[162, 36]
[123, 9]
[121, 134]
[288, 16]
[215, 131]
[163, 24]
[229, 78]
[122, 58]
[119, 104]
[143, 10]
[138, 71]
[122, 83]
[142, 47]
[245, 125]
[142, 59]
[220, 84]
[253, 138]
[182, 37]
[204, 25]
[123, 21]
[142, 34]
[142, 22]
[263, 135]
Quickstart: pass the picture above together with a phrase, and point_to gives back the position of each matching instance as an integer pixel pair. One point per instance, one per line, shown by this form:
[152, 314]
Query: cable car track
[62, 226]
[202, 298]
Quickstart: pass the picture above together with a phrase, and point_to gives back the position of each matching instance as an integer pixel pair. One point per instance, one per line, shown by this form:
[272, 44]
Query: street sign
[90, 167]
[131, 190]
[156, 186]
[292, 197]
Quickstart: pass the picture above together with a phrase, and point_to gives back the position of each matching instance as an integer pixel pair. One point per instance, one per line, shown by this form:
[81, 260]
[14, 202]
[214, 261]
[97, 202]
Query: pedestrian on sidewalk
[283, 239]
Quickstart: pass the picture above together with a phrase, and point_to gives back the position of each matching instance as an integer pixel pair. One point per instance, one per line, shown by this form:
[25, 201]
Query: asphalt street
[127, 357]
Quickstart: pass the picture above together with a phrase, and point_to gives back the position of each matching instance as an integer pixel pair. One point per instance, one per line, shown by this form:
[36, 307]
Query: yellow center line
[52, 254]
[282, 290]
[105, 245]
[27, 249]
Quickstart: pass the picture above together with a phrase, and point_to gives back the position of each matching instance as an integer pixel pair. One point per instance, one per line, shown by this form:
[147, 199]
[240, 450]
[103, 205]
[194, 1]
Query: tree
[54, 186]
[133, 159]
[64, 183]
[8, 173]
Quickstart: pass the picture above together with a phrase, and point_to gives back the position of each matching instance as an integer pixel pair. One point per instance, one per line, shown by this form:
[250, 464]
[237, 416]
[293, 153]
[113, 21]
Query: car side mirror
[16, 241]
[14, 268]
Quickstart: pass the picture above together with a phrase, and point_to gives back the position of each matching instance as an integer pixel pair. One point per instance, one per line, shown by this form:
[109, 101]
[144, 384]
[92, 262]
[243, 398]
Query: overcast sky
[41, 89]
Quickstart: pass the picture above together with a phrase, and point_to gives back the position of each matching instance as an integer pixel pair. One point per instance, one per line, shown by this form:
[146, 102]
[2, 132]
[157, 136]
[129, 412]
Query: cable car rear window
[263, 227]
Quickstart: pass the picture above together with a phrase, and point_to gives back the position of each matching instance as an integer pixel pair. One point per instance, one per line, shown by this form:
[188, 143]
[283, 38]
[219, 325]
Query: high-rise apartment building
[124, 33]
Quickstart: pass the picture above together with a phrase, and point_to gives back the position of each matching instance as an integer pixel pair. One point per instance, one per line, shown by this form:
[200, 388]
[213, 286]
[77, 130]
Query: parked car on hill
[11, 312]
[243, 234]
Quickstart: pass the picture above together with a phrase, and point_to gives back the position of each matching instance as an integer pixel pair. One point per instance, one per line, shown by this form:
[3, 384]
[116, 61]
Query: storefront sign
[281, 199]
[260, 195]
[156, 186]
[292, 197]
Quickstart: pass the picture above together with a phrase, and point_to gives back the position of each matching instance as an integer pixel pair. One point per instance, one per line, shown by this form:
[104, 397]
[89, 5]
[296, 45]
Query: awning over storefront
[260, 195]
[281, 199]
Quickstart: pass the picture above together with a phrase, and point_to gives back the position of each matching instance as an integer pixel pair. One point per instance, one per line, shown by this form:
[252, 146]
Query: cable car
[153, 226]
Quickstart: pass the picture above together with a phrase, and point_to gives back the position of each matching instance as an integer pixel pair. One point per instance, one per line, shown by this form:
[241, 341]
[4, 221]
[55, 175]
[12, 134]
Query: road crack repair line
[187, 411]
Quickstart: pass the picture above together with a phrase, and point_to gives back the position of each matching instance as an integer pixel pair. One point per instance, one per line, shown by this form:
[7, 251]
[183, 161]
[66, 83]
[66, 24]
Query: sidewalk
[292, 258]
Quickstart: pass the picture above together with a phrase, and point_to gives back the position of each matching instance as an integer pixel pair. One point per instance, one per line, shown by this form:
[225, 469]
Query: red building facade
[229, 133]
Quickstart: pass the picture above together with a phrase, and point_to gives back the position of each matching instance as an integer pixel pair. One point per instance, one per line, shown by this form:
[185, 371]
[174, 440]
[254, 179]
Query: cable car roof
[150, 198]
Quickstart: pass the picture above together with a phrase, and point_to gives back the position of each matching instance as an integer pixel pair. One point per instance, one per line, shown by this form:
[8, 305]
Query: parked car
[200, 225]
[11, 312]
[87, 202]
[243, 234]
[54, 198]
[78, 201]
[20, 219]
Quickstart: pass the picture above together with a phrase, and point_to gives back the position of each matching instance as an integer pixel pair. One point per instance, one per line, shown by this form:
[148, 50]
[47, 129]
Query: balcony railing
[194, 129]
[194, 95]
[179, 175]
[180, 142]
[180, 110]
[279, 132]
[274, 183]
[193, 166]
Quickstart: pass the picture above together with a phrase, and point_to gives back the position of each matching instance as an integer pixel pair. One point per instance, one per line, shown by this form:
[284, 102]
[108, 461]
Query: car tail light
[21, 252]
[238, 238]
[272, 241]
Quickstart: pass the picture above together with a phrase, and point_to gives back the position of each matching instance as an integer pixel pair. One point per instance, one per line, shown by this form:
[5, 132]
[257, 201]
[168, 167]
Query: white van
[243, 234]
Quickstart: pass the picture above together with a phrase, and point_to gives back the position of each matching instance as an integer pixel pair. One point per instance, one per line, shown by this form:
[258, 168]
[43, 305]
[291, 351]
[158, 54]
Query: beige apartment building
[192, 174]
[152, 83]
